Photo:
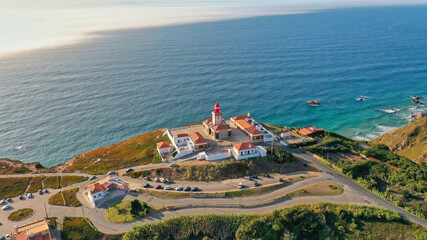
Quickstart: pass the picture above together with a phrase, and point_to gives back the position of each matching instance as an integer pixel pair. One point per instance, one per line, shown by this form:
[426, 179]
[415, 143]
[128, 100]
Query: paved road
[353, 193]
[369, 197]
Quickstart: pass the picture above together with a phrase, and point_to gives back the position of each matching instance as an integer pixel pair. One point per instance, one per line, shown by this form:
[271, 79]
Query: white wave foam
[22, 148]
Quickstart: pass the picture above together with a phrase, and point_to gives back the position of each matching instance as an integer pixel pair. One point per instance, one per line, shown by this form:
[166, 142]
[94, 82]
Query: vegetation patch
[66, 198]
[57, 199]
[254, 191]
[35, 184]
[130, 211]
[135, 151]
[383, 180]
[224, 170]
[69, 180]
[20, 214]
[51, 182]
[304, 221]
[11, 187]
[78, 228]
[318, 189]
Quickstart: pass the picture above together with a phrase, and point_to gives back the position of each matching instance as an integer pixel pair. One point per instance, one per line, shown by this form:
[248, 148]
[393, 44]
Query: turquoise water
[58, 102]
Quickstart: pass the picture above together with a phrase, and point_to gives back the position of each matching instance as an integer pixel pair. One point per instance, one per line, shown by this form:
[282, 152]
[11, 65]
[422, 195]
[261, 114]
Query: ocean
[58, 102]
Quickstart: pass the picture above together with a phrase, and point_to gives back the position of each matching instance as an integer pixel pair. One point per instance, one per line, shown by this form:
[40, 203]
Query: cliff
[409, 141]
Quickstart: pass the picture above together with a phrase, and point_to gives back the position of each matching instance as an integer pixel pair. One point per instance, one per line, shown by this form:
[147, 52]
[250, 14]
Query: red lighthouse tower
[216, 115]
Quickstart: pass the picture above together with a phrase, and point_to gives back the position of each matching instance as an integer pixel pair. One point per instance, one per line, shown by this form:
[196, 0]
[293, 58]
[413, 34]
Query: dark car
[280, 180]
[195, 189]
[129, 170]
[147, 185]
[46, 191]
[256, 184]
[187, 189]
[267, 175]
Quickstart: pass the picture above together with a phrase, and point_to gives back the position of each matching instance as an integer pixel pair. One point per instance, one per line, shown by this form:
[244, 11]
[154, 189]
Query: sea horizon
[72, 98]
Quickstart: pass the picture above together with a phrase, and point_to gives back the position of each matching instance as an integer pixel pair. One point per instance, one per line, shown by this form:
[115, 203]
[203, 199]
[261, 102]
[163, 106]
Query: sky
[27, 24]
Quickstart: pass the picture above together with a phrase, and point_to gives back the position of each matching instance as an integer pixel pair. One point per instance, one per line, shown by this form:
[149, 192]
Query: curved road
[353, 193]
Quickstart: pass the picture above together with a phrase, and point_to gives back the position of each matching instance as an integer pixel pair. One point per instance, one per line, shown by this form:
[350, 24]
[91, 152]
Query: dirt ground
[335, 157]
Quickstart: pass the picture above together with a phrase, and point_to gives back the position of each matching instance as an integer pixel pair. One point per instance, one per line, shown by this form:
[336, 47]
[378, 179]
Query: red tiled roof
[392, 166]
[309, 130]
[105, 184]
[180, 135]
[207, 121]
[244, 146]
[248, 127]
[243, 117]
[163, 145]
[374, 159]
[197, 138]
[220, 127]
[36, 228]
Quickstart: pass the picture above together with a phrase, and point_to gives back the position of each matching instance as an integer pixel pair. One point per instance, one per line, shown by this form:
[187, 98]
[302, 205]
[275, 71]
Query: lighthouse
[216, 115]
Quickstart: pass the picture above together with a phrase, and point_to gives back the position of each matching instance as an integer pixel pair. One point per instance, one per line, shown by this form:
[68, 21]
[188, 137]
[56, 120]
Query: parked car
[3, 202]
[168, 188]
[46, 191]
[248, 177]
[256, 184]
[92, 178]
[267, 175]
[129, 170]
[21, 197]
[9, 200]
[172, 165]
[30, 195]
[156, 180]
[195, 189]
[187, 189]
[112, 172]
[162, 180]
[40, 191]
[240, 185]
[280, 180]
[158, 187]
[255, 177]
[180, 188]
[2, 238]
[209, 149]
[7, 206]
[147, 185]
[167, 180]
[7, 236]
[147, 178]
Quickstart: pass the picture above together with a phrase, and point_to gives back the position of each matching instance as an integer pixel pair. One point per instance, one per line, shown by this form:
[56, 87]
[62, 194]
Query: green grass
[303, 221]
[69, 180]
[318, 189]
[120, 212]
[20, 214]
[51, 182]
[11, 187]
[35, 184]
[78, 228]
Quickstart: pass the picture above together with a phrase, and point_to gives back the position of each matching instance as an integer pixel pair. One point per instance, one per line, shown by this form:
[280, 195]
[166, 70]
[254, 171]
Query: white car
[240, 185]
[168, 188]
[180, 188]
[172, 165]
[162, 180]
[30, 195]
[111, 172]
[6, 207]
